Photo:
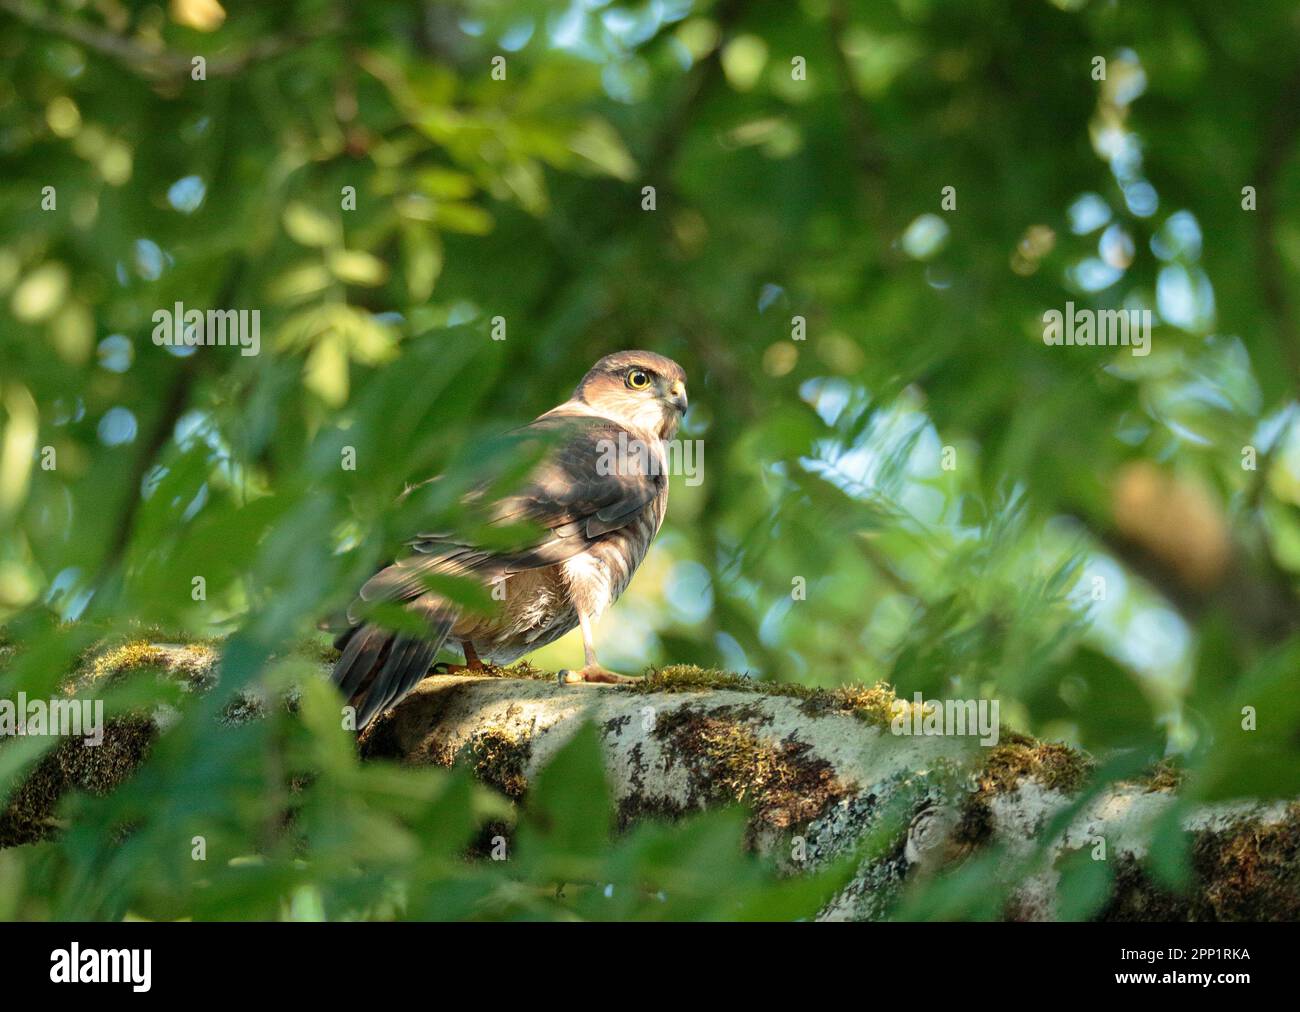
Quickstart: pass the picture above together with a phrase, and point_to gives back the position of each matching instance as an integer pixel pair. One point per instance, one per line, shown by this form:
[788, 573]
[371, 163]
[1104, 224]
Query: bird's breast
[541, 605]
[615, 558]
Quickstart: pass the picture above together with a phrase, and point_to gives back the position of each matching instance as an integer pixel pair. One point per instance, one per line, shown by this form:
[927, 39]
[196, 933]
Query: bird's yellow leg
[472, 662]
[592, 671]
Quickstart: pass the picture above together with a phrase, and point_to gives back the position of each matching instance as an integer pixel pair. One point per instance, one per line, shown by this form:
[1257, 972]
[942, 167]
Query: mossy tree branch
[818, 769]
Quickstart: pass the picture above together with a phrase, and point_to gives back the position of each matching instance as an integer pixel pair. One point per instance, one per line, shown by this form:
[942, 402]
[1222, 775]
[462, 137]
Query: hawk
[596, 500]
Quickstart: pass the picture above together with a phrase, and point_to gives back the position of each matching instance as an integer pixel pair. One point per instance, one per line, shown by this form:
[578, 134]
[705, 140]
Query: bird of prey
[595, 501]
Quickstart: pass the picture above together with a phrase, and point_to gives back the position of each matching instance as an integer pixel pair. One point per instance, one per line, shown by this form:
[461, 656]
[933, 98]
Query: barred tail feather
[378, 666]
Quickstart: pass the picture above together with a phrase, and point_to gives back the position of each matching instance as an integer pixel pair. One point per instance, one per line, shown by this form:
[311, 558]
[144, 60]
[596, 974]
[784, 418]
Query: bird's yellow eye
[638, 379]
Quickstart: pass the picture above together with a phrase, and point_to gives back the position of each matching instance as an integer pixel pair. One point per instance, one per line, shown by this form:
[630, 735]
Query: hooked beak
[677, 396]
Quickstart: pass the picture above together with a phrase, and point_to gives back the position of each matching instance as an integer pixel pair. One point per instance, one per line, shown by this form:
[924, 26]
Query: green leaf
[356, 267]
[299, 282]
[310, 227]
[567, 818]
[600, 145]
[423, 259]
[468, 219]
[326, 370]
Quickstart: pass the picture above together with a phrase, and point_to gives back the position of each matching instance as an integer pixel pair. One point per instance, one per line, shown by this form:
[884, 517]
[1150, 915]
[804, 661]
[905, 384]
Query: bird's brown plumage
[596, 507]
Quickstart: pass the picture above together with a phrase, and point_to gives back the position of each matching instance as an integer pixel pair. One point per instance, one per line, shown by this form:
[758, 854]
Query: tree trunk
[820, 770]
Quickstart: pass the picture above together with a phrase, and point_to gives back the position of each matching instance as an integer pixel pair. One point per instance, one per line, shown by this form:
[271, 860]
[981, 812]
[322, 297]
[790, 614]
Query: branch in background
[1279, 142]
[149, 62]
[868, 152]
[177, 399]
[699, 82]
[867, 149]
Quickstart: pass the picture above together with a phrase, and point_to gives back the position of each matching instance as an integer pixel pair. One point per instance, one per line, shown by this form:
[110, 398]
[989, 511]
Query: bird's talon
[595, 673]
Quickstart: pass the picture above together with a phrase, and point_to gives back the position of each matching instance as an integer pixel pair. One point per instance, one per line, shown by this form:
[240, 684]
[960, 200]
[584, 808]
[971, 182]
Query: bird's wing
[583, 488]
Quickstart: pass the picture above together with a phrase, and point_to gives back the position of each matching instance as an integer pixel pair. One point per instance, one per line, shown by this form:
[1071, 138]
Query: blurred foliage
[1069, 529]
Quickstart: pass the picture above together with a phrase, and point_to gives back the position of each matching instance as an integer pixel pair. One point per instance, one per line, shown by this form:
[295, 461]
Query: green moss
[1251, 872]
[873, 704]
[870, 703]
[30, 814]
[690, 678]
[31, 811]
[1165, 775]
[142, 633]
[318, 647]
[521, 669]
[194, 663]
[783, 781]
[499, 758]
[126, 658]
[1016, 758]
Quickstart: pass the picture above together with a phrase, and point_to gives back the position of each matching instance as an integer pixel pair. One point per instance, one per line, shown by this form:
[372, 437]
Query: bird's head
[637, 388]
